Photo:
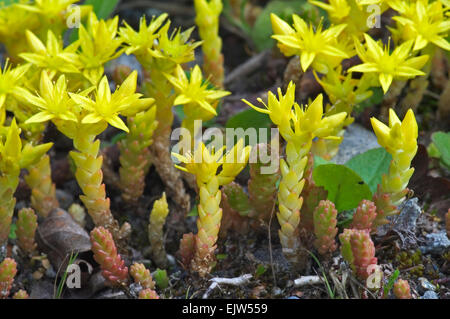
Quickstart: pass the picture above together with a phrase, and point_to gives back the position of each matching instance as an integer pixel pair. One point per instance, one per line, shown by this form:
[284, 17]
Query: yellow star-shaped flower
[107, 107]
[51, 56]
[423, 22]
[195, 90]
[10, 81]
[378, 60]
[315, 47]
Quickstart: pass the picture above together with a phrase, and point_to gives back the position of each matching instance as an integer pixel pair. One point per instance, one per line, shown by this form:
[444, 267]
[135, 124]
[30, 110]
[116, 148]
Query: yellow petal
[306, 58]
[116, 121]
[279, 26]
[385, 81]
[381, 131]
[393, 118]
[40, 117]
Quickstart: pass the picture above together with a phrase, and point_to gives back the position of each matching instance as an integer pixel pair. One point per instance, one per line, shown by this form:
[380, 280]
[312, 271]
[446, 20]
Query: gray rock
[435, 243]
[127, 60]
[3, 252]
[41, 289]
[135, 289]
[430, 295]
[65, 199]
[357, 140]
[426, 285]
[405, 223]
[276, 291]
[112, 294]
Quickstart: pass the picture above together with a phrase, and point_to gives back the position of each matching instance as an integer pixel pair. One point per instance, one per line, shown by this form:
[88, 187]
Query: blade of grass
[327, 284]
[59, 291]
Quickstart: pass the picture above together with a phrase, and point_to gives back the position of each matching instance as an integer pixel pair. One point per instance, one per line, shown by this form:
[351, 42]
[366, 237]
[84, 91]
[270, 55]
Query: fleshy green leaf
[161, 278]
[441, 141]
[102, 8]
[374, 99]
[250, 118]
[390, 284]
[194, 211]
[371, 166]
[12, 231]
[345, 187]
[5, 3]
[260, 270]
[262, 29]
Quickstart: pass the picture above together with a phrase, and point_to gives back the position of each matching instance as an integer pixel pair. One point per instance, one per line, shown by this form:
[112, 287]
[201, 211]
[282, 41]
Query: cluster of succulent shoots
[48, 81]
[417, 33]
[45, 80]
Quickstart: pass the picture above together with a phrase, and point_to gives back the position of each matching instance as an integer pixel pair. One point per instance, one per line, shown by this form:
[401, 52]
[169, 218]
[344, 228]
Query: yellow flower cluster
[399, 138]
[204, 165]
[298, 126]
[418, 23]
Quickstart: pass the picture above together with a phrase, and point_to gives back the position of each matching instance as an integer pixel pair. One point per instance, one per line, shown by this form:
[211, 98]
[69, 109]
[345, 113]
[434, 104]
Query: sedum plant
[324, 51]
[8, 270]
[142, 276]
[298, 126]
[157, 219]
[325, 228]
[358, 250]
[43, 190]
[262, 188]
[37, 16]
[365, 215]
[98, 44]
[13, 157]
[105, 254]
[159, 53]
[204, 164]
[12, 83]
[135, 154]
[399, 138]
[387, 66]
[82, 117]
[148, 294]
[207, 20]
[21, 294]
[402, 290]
[198, 100]
[26, 229]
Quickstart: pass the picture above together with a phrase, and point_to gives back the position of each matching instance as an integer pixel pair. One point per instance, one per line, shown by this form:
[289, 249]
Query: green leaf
[118, 137]
[262, 29]
[345, 187]
[103, 8]
[320, 161]
[221, 256]
[194, 211]
[371, 166]
[12, 231]
[375, 99]
[250, 118]
[161, 279]
[390, 283]
[6, 3]
[260, 270]
[442, 142]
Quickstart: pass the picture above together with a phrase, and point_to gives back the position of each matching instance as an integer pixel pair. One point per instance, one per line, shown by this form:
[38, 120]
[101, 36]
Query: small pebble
[435, 243]
[276, 291]
[426, 284]
[430, 295]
